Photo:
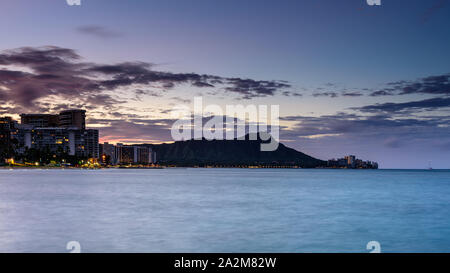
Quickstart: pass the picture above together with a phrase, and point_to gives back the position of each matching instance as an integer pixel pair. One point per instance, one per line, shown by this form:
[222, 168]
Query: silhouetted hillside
[230, 153]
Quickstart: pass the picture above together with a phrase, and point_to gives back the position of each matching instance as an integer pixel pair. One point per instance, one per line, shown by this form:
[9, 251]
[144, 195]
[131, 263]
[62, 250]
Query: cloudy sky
[349, 78]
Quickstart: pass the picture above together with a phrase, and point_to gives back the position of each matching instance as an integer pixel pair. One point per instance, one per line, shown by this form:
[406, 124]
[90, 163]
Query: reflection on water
[224, 210]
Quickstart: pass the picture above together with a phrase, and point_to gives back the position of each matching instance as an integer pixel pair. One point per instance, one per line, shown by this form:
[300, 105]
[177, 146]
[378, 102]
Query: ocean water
[224, 210]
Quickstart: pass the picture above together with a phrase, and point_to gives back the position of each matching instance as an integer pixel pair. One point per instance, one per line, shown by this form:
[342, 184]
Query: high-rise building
[70, 141]
[53, 140]
[40, 120]
[142, 155]
[127, 155]
[124, 154]
[91, 143]
[109, 152]
[6, 123]
[65, 133]
[6, 126]
[351, 160]
[66, 119]
[73, 118]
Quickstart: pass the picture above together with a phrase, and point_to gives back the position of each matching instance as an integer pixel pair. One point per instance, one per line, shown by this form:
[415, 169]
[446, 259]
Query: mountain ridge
[234, 152]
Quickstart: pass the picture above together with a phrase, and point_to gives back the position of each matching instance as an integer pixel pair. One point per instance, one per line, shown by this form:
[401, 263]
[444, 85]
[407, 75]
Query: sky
[349, 78]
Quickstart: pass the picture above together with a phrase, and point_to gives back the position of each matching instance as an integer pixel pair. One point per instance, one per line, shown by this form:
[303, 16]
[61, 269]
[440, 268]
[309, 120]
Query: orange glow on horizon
[132, 141]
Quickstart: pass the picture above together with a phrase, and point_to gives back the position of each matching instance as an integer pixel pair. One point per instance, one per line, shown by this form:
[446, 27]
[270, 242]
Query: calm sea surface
[224, 210]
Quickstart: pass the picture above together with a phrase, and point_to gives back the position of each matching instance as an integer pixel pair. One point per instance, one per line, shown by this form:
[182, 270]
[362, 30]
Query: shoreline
[181, 167]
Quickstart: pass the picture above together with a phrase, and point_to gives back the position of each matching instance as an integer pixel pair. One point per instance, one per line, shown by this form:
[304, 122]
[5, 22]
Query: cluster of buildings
[351, 162]
[127, 154]
[66, 134]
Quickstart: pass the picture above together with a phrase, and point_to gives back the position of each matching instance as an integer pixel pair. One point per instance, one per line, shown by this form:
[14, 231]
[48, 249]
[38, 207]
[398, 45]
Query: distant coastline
[161, 167]
[63, 140]
[152, 167]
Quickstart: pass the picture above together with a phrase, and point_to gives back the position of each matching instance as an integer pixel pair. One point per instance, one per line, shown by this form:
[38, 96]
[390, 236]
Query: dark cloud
[292, 94]
[428, 104]
[38, 73]
[7, 76]
[382, 93]
[129, 73]
[140, 93]
[333, 94]
[43, 60]
[352, 94]
[251, 88]
[326, 94]
[433, 85]
[181, 100]
[202, 84]
[50, 71]
[344, 122]
[392, 133]
[98, 31]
